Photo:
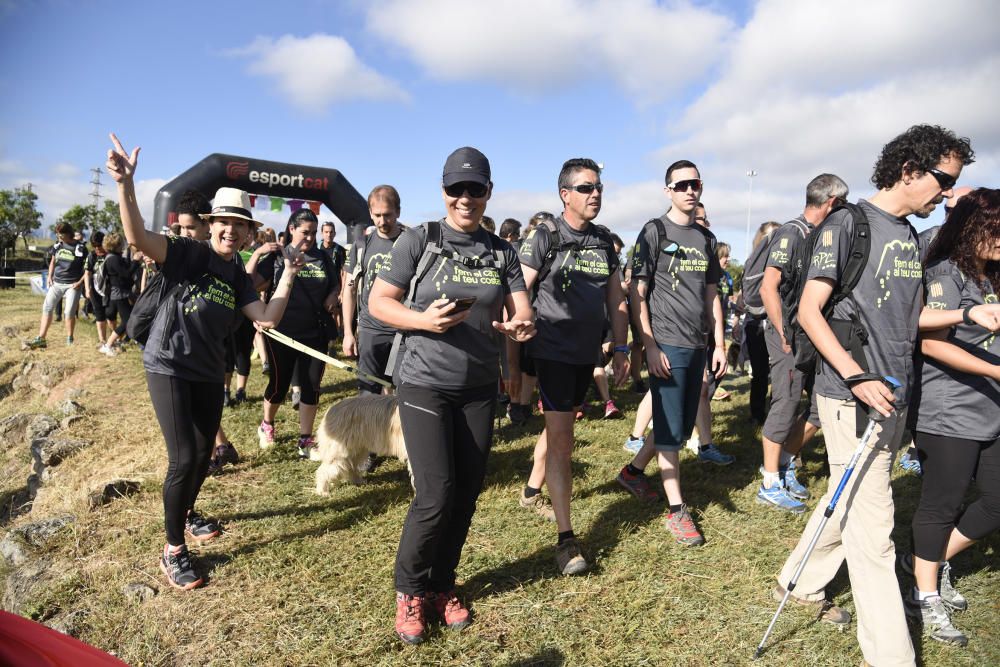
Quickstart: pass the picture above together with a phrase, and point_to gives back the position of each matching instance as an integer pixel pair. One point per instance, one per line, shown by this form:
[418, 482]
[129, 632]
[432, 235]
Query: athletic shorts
[675, 399]
[65, 292]
[97, 305]
[787, 383]
[373, 355]
[562, 386]
[527, 362]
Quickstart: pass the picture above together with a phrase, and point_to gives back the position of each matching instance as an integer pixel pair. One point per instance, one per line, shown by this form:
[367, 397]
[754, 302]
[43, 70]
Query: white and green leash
[296, 345]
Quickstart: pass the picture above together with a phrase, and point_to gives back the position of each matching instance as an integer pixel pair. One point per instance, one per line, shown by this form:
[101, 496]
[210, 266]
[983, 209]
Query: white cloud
[317, 71]
[65, 170]
[647, 49]
[811, 87]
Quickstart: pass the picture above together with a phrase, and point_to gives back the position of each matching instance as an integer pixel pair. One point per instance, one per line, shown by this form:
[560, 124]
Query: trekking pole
[875, 417]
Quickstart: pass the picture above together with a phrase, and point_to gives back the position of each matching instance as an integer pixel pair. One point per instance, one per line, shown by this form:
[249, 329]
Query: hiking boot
[951, 597]
[265, 434]
[569, 559]
[307, 445]
[199, 528]
[178, 569]
[933, 615]
[37, 343]
[410, 624]
[824, 610]
[777, 496]
[681, 525]
[633, 445]
[711, 454]
[791, 483]
[221, 455]
[909, 462]
[240, 397]
[639, 387]
[611, 411]
[450, 609]
[637, 485]
[539, 504]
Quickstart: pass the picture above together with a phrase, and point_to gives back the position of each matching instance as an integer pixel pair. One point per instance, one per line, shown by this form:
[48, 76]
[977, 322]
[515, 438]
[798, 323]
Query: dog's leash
[296, 345]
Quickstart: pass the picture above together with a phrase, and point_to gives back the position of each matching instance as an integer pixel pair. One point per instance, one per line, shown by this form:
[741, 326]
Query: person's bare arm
[935, 345]
[656, 362]
[986, 315]
[385, 304]
[617, 308]
[772, 302]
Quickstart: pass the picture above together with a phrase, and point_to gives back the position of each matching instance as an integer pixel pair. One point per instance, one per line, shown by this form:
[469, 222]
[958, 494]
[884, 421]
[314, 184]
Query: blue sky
[384, 90]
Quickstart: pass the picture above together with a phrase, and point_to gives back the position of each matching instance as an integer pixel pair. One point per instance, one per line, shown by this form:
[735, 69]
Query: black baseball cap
[466, 165]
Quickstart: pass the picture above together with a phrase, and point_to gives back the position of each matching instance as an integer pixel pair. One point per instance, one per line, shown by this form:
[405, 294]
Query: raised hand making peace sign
[121, 164]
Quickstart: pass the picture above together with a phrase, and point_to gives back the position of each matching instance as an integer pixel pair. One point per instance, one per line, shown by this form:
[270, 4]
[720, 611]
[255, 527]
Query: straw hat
[231, 203]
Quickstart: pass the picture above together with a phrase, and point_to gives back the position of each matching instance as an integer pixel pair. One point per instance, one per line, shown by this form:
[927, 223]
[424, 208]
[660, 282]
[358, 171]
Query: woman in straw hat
[184, 356]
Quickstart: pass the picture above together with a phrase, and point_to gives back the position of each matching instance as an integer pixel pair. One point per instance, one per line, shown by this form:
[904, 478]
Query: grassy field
[302, 580]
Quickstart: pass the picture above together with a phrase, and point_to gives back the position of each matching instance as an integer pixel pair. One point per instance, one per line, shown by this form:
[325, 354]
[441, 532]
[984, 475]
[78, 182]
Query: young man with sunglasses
[578, 288]
[674, 295]
[785, 431]
[914, 174]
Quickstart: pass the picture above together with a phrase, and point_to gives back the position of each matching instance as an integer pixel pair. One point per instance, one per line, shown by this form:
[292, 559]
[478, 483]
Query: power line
[96, 192]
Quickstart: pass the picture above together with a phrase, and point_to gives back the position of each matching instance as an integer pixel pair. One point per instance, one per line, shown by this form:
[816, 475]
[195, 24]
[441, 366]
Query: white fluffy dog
[352, 428]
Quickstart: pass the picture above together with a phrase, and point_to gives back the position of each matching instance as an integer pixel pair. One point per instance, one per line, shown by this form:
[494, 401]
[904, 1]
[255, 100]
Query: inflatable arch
[263, 177]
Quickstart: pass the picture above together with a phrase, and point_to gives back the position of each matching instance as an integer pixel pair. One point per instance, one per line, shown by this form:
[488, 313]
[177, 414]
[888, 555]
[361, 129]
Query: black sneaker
[517, 414]
[296, 399]
[227, 399]
[240, 397]
[199, 528]
[178, 569]
[223, 454]
[639, 387]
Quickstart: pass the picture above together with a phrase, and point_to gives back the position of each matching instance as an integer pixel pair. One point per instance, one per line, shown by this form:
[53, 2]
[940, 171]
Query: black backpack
[850, 333]
[434, 248]
[663, 244]
[159, 291]
[557, 245]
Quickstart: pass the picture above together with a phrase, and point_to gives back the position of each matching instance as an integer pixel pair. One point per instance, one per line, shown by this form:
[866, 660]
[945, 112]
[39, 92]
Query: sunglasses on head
[946, 181]
[684, 186]
[474, 190]
[586, 188]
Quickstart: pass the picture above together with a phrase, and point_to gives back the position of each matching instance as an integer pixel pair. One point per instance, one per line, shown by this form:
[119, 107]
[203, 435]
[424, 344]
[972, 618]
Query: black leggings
[189, 414]
[239, 347]
[760, 366]
[949, 465]
[123, 309]
[283, 361]
[448, 435]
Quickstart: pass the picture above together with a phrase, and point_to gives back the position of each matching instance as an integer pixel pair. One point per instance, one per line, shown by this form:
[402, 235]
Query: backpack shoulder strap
[555, 245]
[860, 248]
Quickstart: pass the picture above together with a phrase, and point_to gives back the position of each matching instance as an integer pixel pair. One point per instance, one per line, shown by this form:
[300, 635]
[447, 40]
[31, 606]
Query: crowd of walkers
[452, 314]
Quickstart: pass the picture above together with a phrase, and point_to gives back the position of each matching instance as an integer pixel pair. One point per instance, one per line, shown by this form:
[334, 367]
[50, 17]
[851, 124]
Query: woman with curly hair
[957, 428]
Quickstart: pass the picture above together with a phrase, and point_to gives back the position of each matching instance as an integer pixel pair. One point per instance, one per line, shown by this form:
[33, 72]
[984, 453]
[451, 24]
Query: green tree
[19, 216]
[89, 219]
[736, 271]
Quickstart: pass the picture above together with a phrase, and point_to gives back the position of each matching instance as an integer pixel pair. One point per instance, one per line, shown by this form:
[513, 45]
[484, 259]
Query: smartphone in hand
[462, 304]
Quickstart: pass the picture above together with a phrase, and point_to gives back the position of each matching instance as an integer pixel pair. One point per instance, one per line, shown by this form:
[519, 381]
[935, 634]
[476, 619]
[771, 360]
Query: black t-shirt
[208, 311]
[70, 258]
[338, 255]
[120, 277]
[468, 354]
[377, 251]
[312, 285]
[676, 297]
[571, 303]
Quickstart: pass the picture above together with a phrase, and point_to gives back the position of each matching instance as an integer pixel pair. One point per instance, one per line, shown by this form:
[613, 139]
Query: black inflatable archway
[263, 177]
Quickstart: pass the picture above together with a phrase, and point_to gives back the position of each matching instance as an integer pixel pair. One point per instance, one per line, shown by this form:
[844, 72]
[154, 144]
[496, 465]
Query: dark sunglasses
[475, 190]
[683, 186]
[946, 181]
[586, 188]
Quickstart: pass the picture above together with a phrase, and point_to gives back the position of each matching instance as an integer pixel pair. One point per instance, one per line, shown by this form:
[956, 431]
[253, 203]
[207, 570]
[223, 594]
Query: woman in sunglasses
[957, 429]
[447, 380]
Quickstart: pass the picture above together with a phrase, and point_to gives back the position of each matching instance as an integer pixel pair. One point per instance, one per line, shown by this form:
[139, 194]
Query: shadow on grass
[546, 657]
[353, 507]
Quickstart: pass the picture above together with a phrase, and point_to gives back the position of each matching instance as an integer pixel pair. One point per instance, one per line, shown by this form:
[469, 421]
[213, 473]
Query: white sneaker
[109, 351]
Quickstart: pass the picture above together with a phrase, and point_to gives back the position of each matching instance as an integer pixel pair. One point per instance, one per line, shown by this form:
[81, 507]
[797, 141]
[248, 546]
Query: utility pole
[96, 182]
[750, 174]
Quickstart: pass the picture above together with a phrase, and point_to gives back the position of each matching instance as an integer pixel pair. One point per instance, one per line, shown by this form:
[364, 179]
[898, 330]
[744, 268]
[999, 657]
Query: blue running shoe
[711, 454]
[633, 445]
[792, 485]
[910, 463]
[776, 496]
